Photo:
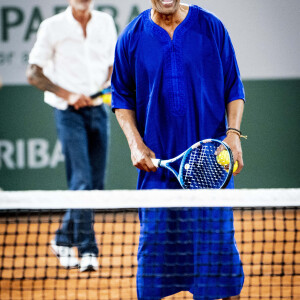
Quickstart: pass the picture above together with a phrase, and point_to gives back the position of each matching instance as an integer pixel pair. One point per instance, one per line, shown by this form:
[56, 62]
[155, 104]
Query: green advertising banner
[30, 154]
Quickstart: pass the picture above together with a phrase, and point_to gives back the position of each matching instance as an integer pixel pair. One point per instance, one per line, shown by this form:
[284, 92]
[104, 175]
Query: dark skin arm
[36, 77]
[140, 154]
[235, 111]
[107, 82]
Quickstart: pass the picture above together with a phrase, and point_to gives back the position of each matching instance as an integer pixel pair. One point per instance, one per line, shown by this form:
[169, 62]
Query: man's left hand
[234, 142]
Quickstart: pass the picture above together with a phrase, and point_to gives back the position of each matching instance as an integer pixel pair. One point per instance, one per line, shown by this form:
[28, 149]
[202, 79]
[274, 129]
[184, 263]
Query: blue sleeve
[123, 84]
[234, 88]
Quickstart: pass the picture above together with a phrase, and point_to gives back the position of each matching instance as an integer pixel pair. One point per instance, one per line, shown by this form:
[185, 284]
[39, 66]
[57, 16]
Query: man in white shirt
[71, 60]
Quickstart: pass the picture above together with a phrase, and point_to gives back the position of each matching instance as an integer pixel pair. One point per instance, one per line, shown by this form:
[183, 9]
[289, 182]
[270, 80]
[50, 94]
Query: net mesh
[267, 237]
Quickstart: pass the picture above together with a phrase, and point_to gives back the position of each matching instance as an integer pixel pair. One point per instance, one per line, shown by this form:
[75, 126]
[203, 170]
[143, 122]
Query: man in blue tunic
[175, 82]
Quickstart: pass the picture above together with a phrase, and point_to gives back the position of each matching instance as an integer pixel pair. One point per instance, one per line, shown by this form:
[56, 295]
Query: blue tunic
[179, 89]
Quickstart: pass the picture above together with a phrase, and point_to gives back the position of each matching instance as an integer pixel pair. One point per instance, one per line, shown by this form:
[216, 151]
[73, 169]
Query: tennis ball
[106, 98]
[223, 160]
[236, 164]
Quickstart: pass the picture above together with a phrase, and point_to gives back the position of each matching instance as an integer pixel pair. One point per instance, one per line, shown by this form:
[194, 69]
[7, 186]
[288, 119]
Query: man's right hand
[140, 154]
[141, 157]
[79, 100]
[36, 77]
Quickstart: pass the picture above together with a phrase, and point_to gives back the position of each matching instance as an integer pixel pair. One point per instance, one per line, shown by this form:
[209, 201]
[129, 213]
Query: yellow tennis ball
[236, 164]
[106, 98]
[223, 158]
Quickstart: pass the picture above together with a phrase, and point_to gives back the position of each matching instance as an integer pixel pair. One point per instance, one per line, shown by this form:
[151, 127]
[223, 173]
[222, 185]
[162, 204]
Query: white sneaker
[88, 262]
[65, 255]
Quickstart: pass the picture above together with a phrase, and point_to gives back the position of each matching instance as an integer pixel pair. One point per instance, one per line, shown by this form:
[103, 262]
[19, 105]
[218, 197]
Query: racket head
[199, 168]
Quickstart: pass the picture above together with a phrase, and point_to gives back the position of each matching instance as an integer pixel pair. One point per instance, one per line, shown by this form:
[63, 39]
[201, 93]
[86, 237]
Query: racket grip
[156, 162]
[96, 95]
[100, 93]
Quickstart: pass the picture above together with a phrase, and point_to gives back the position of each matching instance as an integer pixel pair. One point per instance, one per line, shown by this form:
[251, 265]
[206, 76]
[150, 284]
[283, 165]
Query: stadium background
[267, 43]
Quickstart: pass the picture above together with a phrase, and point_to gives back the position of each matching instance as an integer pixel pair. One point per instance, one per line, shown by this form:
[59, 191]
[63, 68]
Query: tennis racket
[105, 94]
[198, 167]
[101, 93]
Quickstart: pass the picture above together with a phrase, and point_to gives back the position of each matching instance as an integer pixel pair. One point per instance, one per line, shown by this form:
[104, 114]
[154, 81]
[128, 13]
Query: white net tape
[150, 198]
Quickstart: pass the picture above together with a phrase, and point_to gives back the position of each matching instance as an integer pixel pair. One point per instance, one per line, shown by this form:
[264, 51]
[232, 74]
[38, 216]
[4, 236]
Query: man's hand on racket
[141, 157]
[140, 154]
[234, 142]
[79, 100]
[36, 77]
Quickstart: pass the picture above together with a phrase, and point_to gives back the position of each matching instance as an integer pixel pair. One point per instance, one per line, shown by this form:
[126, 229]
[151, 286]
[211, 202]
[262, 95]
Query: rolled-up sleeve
[43, 50]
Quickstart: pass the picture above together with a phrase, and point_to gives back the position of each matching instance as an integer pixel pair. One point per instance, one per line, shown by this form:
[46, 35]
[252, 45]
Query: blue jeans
[83, 135]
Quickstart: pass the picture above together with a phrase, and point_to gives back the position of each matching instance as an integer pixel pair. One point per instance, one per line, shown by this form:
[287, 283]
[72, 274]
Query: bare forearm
[110, 70]
[127, 121]
[37, 78]
[140, 154]
[235, 111]
[107, 82]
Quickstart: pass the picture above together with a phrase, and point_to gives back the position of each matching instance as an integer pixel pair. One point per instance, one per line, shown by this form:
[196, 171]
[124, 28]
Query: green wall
[271, 121]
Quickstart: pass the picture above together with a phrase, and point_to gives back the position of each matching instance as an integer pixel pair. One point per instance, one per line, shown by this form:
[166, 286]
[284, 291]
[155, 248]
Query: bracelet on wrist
[236, 131]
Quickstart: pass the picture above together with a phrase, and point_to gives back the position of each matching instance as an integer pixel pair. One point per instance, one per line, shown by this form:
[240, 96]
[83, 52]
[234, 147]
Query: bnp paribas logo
[34, 153]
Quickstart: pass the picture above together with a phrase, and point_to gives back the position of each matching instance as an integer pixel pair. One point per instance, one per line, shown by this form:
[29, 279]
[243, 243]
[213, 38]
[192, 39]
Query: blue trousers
[84, 138]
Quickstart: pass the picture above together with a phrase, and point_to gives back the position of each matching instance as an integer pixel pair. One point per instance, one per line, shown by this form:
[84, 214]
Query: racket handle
[156, 162]
[100, 93]
[96, 95]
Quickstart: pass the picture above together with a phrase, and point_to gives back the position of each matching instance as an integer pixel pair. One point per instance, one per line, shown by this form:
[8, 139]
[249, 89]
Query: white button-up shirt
[76, 63]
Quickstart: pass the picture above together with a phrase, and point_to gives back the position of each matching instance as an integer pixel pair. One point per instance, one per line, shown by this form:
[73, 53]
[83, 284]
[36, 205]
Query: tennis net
[266, 229]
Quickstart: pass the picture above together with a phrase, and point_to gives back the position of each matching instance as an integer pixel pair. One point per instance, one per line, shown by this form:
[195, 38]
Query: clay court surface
[270, 254]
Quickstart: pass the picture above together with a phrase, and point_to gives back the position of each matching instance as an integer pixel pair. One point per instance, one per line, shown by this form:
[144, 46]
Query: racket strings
[201, 169]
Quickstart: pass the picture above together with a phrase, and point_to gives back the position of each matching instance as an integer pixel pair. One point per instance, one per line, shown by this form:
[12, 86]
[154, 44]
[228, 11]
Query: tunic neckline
[179, 30]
